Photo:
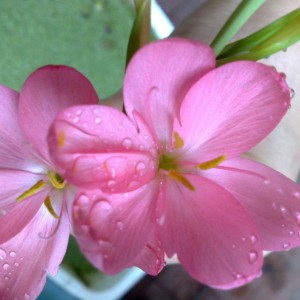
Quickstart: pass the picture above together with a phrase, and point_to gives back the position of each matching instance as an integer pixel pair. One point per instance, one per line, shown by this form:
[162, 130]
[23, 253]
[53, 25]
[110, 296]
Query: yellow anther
[61, 140]
[179, 143]
[212, 163]
[181, 179]
[34, 189]
[56, 180]
[50, 208]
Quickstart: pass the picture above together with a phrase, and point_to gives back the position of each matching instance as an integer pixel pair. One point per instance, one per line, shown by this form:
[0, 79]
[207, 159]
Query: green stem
[238, 18]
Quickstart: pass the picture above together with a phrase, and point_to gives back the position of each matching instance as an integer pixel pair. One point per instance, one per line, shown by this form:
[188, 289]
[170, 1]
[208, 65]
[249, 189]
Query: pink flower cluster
[166, 178]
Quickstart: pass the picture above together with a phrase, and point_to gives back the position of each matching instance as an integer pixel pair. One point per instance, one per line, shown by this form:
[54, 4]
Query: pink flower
[172, 177]
[34, 225]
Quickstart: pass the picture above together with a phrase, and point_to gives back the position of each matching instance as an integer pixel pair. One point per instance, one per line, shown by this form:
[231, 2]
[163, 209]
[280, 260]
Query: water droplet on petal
[243, 239]
[252, 257]
[26, 297]
[2, 254]
[140, 168]
[291, 233]
[6, 278]
[76, 120]
[12, 254]
[298, 219]
[141, 147]
[85, 228]
[253, 239]
[78, 112]
[286, 246]
[162, 220]
[16, 264]
[96, 111]
[297, 194]
[267, 181]
[238, 276]
[233, 246]
[127, 143]
[6, 267]
[292, 93]
[97, 120]
[83, 200]
[146, 137]
[120, 225]
[111, 184]
[2, 212]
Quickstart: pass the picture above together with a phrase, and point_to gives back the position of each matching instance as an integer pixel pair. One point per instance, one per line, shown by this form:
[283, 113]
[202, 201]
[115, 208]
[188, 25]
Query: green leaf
[273, 38]
[141, 29]
[238, 18]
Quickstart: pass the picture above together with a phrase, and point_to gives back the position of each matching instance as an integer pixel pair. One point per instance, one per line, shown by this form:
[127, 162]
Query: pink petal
[152, 258]
[271, 199]
[113, 229]
[159, 76]
[25, 259]
[15, 151]
[46, 92]
[103, 149]
[231, 109]
[14, 216]
[210, 232]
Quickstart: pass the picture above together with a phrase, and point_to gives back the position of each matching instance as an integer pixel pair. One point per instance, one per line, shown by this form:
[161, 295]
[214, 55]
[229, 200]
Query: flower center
[56, 181]
[170, 164]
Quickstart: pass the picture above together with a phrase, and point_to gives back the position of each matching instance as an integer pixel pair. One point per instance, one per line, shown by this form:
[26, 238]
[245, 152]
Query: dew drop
[101, 210]
[2, 254]
[238, 276]
[127, 143]
[291, 233]
[26, 297]
[97, 120]
[146, 137]
[2, 212]
[6, 267]
[85, 228]
[233, 246]
[298, 219]
[111, 184]
[141, 147]
[252, 257]
[297, 194]
[282, 225]
[6, 278]
[253, 239]
[267, 181]
[96, 111]
[120, 225]
[12, 254]
[78, 112]
[280, 190]
[16, 264]
[140, 168]
[292, 93]
[161, 220]
[83, 200]
[76, 120]
[243, 239]
[286, 246]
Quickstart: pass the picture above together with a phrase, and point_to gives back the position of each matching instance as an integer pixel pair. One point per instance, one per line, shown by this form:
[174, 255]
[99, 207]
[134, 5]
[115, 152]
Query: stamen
[56, 180]
[50, 208]
[212, 163]
[61, 140]
[179, 143]
[34, 189]
[181, 179]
